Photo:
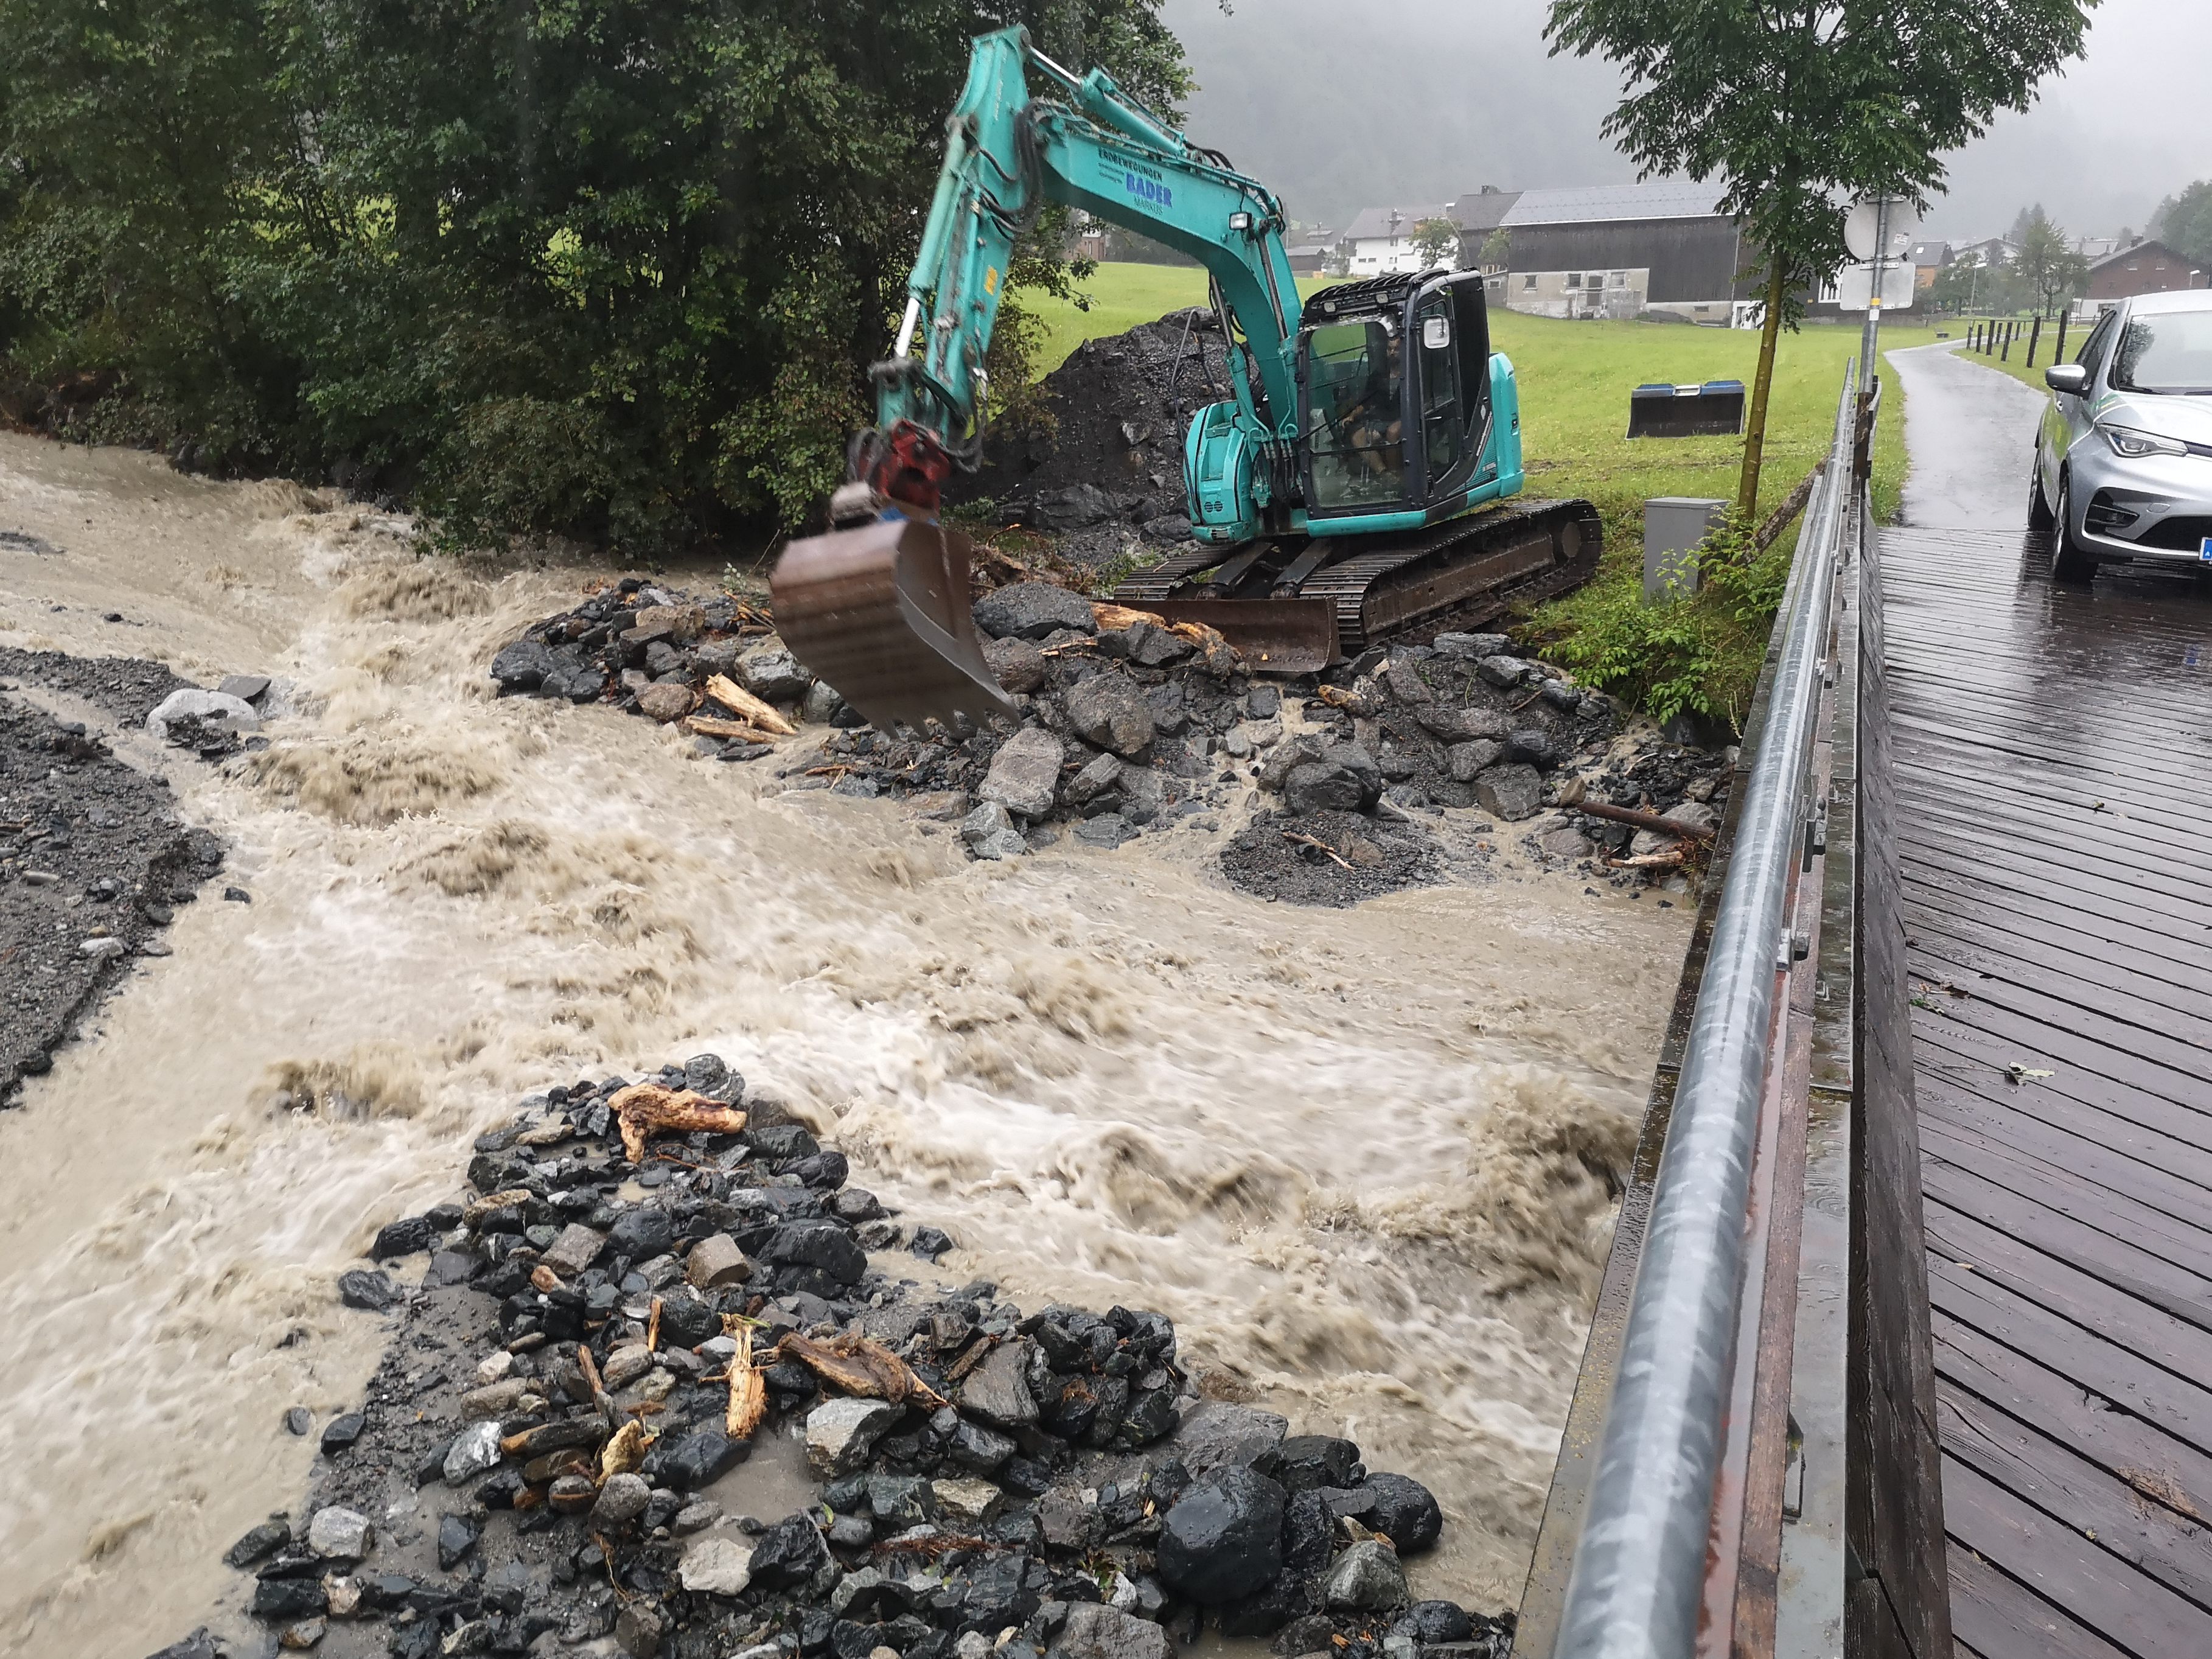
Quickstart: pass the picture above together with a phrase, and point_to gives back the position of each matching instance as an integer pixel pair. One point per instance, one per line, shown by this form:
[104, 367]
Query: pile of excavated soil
[1107, 476]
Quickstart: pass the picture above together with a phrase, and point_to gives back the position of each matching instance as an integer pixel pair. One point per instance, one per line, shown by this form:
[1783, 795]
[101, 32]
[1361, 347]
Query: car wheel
[2071, 561]
[2040, 515]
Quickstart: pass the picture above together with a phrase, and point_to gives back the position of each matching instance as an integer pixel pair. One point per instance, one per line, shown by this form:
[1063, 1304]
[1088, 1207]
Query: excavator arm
[879, 606]
[1007, 154]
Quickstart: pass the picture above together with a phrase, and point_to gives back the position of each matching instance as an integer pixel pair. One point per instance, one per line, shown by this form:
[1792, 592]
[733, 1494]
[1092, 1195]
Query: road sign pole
[1871, 338]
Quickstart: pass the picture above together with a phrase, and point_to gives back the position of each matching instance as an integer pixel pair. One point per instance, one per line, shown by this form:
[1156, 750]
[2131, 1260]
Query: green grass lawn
[1575, 379]
[2015, 362]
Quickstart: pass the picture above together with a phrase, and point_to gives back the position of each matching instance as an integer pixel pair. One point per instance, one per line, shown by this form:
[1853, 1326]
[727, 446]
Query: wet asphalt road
[1970, 431]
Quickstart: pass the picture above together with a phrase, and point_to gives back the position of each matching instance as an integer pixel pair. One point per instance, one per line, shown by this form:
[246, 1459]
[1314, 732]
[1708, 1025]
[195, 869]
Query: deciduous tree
[1794, 107]
[2053, 271]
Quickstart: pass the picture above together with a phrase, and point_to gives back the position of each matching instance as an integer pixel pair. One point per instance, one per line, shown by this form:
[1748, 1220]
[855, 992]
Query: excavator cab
[1394, 381]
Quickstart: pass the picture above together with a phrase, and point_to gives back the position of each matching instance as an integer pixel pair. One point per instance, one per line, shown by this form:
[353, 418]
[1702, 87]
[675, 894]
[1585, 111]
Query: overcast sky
[1405, 102]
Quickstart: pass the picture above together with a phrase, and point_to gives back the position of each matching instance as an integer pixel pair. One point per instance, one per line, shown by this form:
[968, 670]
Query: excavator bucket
[881, 612]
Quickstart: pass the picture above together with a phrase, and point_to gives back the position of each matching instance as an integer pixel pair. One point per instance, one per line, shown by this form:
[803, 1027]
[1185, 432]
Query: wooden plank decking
[2053, 758]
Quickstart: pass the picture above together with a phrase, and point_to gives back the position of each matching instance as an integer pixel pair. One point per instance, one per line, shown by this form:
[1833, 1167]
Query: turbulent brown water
[1350, 1152]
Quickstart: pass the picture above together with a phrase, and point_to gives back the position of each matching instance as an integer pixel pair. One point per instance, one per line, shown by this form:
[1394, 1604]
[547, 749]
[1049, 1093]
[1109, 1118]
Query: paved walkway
[2054, 755]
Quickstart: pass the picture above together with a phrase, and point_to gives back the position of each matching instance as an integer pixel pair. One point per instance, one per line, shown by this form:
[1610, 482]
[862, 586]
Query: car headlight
[2134, 442]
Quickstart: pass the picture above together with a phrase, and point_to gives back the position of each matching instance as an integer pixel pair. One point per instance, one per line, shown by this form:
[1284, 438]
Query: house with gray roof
[1664, 251]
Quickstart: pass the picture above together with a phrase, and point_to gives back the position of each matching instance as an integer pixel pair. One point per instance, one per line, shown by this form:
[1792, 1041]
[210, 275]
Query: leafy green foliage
[1435, 239]
[2048, 266]
[593, 267]
[2184, 223]
[1797, 105]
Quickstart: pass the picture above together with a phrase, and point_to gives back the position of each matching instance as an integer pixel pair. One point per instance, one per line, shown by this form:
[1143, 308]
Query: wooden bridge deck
[2053, 755]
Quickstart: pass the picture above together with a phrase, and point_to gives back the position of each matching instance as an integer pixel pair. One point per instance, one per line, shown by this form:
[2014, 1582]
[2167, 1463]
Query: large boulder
[1033, 610]
[990, 833]
[998, 1390]
[1024, 774]
[1221, 1434]
[1367, 1578]
[1513, 793]
[772, 674]
[1402, 1510]
[1112, 712]
[1096, 1632]
[213, 710]
[1223, 1538]
[1345, 778]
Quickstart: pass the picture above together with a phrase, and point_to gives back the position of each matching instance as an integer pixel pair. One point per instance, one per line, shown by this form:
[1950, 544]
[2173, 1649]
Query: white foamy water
[1353, 1154]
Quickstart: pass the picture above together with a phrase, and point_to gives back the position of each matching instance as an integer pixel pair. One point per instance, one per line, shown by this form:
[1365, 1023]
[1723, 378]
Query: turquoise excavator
[1351, 490]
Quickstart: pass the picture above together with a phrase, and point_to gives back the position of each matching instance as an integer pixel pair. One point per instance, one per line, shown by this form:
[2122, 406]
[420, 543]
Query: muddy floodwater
[1357, 1155]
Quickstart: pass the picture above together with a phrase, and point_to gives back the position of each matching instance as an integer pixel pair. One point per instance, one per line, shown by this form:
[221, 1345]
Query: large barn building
[1623, 251]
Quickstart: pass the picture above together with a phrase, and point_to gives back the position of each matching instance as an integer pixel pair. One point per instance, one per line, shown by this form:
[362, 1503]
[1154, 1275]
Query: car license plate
[2205, 550]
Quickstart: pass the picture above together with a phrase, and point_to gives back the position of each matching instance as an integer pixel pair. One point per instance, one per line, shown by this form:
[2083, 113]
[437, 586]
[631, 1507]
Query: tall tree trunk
[1755, 433]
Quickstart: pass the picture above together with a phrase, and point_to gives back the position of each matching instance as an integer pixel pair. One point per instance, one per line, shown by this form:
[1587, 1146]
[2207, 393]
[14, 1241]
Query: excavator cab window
[1444, 415]
[1355, 414]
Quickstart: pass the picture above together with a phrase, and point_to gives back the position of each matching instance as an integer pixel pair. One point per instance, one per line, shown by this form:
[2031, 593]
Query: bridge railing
[1751, 1403]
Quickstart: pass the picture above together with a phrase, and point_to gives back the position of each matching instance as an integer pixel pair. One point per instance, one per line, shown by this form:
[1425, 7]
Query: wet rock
[1691, 814]
[1024, 774]
[823, 1245]
[965, 1501]
[788, 1553]
[1449, 725]
[522, 666]
[1403, 677]
[841, 1433]
[1367, 1578]
[402, 1237]
[1306, 1461]
[1223, 1538]
[1109, 710]
[200, 1644]
[1502, 671]
[475, 1450]
[339, 1534]
[1076, 507]
[575, 1249]
[1033, 610]
[456, 1536]
[772, 674]
[1471, 647]
[715, 1261]
[1532, 745]
[298, 1420]
[929, 1242]
[1093, 1632]
[667, 702]
[972, 1446]
[1513, 793]
[641, 1232]
[990, 833]
[1220, 1434]
[260, 1541]
[1435, 1622]
[621, 1499]
[1403, 1510]
[1019, 663]
[716, 1566]
[341, 1432]
[640, 1628]
[281, 1599]
[700, 1459]
[367, 1289]
[1467, 760]
[1310, 1633]
[624, 1365]
[1100, 774]
[211, 711]
[998, 1390]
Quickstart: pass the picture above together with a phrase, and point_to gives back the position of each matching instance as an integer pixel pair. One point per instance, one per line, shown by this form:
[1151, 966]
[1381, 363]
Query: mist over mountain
[1406, 102]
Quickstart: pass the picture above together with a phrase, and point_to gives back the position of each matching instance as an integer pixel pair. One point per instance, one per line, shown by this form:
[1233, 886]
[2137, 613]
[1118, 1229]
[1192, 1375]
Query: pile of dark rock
[652, 650]
[94, 858]
[1044, 1483]
[1105, 474]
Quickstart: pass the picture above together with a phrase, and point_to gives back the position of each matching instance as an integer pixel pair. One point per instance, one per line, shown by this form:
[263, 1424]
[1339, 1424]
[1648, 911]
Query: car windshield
[1355, 419]
[2168, 352]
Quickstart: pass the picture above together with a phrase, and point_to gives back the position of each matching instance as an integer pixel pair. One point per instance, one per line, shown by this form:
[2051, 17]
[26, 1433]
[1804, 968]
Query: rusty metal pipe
[1641, 819]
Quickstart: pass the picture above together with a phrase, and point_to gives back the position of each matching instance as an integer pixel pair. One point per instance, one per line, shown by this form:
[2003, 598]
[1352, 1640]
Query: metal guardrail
[1639, 1580]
